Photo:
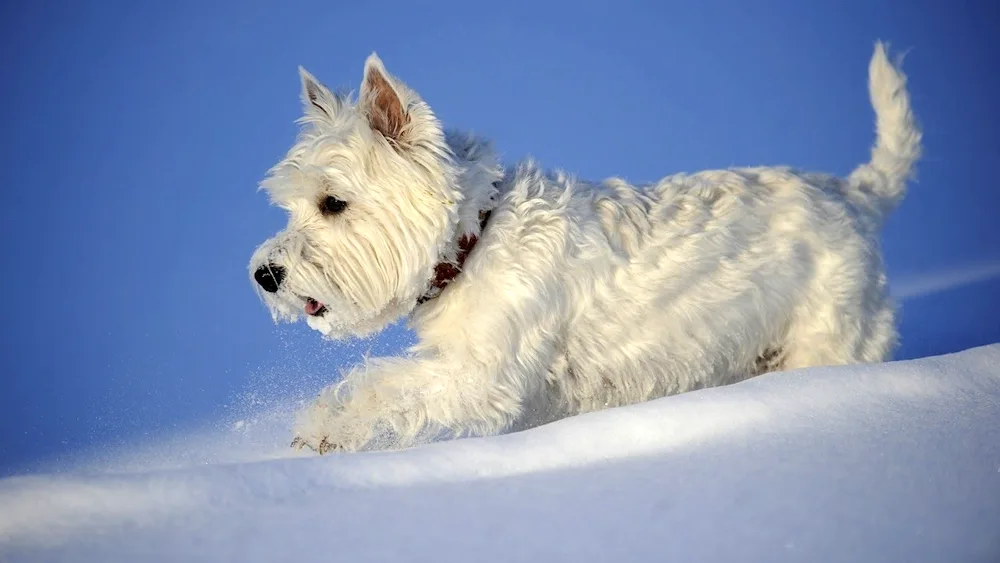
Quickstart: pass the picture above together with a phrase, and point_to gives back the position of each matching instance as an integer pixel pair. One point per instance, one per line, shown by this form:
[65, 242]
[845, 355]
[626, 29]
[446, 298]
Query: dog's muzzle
[269, 277]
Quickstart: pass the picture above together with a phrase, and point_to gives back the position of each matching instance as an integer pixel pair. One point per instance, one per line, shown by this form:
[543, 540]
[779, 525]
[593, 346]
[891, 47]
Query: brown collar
[446, 272]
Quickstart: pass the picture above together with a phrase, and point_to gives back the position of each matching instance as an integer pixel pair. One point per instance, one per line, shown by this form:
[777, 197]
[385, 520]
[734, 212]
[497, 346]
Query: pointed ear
[316, 98]
[381, 100]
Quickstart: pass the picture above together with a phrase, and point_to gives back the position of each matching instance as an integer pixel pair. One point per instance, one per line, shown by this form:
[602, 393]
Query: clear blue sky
[134, 135]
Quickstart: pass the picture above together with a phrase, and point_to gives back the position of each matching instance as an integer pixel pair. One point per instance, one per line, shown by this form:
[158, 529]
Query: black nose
[269, 277]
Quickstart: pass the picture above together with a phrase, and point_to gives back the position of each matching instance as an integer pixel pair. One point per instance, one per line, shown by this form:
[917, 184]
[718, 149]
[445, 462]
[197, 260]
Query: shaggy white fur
[579, 295]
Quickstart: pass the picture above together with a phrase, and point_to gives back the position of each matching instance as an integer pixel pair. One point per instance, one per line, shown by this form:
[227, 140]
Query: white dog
[537, 295]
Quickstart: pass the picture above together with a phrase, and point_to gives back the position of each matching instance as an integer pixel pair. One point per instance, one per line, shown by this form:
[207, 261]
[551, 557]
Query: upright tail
[898, 138]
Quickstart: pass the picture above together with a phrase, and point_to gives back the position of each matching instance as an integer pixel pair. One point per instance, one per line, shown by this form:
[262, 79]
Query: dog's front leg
[395, 401]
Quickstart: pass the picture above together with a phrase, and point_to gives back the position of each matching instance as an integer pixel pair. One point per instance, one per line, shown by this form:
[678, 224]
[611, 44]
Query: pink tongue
[313, 307]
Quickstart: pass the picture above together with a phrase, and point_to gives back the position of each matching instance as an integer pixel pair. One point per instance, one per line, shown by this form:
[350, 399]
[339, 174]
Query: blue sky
[135, 134]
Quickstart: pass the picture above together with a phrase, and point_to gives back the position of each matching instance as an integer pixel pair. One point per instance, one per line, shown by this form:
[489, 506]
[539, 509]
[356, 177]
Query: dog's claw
[324, 446]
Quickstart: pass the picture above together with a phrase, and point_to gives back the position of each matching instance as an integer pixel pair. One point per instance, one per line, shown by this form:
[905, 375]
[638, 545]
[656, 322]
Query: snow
[891, 462]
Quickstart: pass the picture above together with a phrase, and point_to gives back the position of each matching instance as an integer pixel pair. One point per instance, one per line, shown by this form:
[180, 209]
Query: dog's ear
[316, 98]
[381, 101]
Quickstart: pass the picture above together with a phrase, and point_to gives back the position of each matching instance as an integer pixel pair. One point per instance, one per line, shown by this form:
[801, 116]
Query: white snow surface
[891, 462]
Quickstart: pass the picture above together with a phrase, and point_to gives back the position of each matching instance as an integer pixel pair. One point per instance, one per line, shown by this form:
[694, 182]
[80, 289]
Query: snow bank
[896, 462]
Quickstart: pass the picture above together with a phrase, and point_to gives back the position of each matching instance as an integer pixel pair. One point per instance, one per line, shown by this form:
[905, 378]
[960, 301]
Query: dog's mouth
[314, 308]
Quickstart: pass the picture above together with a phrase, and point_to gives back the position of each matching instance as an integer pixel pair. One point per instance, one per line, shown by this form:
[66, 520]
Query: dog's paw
[332, 433]
[322, 447]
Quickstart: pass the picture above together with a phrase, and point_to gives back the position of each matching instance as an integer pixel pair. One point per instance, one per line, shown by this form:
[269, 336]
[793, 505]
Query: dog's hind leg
[847, 318]
[773, 359]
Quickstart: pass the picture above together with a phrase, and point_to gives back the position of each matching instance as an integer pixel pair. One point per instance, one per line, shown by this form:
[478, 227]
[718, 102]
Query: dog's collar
[446, 272]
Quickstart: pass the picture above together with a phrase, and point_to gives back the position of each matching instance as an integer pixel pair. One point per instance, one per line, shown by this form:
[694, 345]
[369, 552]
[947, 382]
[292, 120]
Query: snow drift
[891, 462]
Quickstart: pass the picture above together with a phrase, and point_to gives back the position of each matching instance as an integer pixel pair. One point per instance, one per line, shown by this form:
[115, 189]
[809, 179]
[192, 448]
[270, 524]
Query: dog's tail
[898, 137]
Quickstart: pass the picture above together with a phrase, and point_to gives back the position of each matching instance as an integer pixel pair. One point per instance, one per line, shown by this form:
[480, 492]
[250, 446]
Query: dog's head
[371, 191]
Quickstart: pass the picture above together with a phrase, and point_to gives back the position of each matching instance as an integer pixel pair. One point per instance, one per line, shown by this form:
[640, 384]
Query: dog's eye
[332, 206]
